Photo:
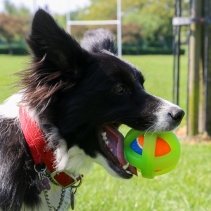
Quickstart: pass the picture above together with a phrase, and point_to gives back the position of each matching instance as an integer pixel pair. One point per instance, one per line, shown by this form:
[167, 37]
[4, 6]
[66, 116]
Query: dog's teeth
[125, 166]
[104, 138]
[128, 172]
[103, 134]
[107, 142]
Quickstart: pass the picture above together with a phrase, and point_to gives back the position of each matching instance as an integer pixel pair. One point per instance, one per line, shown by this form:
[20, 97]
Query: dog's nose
[176, 114]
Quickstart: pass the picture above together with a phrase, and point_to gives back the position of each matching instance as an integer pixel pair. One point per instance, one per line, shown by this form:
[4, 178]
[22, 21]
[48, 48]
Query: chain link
[52, 208]
[43, 174]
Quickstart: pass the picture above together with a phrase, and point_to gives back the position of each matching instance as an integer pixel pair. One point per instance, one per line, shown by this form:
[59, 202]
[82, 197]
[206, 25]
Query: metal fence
[199, 73]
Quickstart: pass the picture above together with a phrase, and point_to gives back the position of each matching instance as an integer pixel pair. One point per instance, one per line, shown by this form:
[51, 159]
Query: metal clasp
[53, 174]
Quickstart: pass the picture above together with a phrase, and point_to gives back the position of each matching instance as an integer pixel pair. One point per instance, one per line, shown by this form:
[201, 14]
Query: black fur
[79, 90]
[98, 40]
[16, 168]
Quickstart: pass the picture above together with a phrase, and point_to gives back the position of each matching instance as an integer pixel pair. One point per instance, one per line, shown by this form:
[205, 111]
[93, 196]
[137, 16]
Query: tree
[14, 23]
[131, 33]
[102, 10]
[153, 17]
[12, 10]
[10, 27]
[149, 23]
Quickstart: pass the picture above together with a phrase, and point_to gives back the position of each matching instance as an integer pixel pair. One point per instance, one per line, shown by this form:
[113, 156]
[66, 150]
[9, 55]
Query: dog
[66, 117]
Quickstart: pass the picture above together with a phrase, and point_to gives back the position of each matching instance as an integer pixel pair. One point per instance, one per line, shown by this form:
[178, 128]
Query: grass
[186, 188]
[8, 66]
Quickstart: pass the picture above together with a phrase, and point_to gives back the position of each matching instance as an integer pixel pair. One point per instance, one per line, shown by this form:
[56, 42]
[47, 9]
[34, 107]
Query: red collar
[41, 154]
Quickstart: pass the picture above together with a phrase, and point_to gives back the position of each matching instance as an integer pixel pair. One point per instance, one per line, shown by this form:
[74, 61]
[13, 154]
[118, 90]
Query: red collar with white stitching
[40, 152]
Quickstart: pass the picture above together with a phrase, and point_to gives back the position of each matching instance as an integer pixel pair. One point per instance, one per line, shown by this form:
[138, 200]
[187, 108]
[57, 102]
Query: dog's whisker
[148, 129]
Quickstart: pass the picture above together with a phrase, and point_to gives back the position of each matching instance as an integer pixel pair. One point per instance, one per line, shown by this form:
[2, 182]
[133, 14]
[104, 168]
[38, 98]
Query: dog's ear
[98, 40]
[58, 62]
[51, 43]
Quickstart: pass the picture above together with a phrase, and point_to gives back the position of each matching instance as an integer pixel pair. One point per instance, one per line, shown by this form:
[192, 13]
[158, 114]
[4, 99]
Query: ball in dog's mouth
[112, 145]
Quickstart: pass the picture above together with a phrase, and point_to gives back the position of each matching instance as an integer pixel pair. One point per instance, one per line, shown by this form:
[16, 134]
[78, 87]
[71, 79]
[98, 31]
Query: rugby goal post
[116, 22]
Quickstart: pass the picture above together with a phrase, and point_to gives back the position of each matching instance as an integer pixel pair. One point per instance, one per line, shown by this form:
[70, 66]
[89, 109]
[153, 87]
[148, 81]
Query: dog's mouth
[112, 145]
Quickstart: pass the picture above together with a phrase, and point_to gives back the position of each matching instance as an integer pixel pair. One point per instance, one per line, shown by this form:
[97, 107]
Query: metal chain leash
[52, 208]
[43, 185]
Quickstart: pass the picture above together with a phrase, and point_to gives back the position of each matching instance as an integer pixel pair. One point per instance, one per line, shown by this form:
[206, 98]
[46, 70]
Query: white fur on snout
[103, 162]
[164, 121]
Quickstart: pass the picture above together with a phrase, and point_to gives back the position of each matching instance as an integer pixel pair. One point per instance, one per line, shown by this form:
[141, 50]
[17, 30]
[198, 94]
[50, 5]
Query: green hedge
[138, 50]
[15, 50]
[126, 50]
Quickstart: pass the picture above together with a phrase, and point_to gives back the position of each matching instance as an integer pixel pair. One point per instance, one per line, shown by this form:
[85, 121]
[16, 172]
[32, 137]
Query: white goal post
[117, 22]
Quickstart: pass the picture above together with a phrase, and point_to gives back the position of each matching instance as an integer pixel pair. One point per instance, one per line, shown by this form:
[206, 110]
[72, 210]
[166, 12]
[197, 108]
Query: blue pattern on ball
[136, 147]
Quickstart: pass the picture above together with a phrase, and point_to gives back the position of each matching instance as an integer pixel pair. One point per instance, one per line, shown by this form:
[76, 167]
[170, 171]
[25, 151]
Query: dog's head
[87, 92]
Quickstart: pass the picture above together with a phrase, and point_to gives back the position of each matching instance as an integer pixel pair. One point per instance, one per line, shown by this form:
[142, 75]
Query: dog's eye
[119, 89]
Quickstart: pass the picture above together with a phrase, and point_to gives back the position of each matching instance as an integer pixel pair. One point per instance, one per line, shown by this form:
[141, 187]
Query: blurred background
[146, 25]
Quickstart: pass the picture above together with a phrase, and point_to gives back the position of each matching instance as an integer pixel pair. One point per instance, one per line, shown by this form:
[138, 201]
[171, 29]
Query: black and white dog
[67, 115]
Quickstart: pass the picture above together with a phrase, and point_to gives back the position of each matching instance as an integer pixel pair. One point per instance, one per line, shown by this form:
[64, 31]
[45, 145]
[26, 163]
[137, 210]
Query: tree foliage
[131, 33]
[143, 21]
[11, 27]
[14, 23]
[153, 17]
[13, 10]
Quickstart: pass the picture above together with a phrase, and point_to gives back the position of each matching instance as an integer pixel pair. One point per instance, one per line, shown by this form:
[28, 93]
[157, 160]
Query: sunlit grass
[8, 66]
[185, 188]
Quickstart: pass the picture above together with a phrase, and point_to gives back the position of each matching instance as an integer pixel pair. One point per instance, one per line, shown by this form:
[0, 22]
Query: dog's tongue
[115, 144]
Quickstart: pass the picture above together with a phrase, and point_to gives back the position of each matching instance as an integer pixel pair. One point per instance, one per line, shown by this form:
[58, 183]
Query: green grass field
[8, 66]
[187, 187]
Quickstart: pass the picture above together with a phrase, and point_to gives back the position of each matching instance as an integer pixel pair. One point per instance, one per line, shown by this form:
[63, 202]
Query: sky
[54, 6]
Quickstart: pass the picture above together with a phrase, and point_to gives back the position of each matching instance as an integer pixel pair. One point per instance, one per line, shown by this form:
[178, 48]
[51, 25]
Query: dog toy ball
[152, 153]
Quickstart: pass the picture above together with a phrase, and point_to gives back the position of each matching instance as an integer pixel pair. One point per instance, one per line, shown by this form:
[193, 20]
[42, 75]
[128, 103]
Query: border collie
[73, 99]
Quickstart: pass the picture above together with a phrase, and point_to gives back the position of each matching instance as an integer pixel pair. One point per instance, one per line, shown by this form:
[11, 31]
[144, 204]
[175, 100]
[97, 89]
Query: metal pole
[68, 26]
[176, 51]
[119, 28]
[34, 6]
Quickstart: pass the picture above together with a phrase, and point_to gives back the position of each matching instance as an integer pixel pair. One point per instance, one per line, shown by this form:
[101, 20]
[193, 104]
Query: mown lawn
[8, 66]
[187, 187]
